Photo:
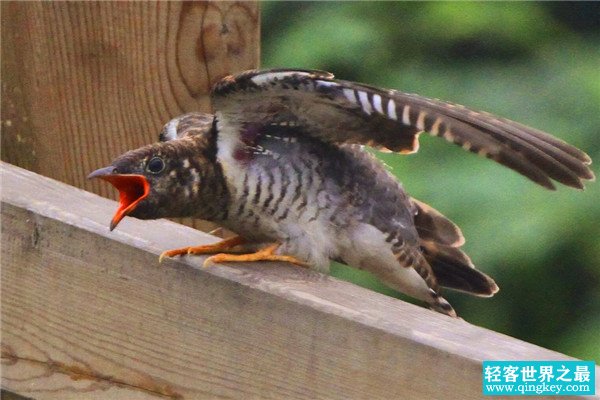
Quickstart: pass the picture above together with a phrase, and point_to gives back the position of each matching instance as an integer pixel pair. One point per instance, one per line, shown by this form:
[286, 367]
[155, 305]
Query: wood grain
[83, 82]
[88, 313]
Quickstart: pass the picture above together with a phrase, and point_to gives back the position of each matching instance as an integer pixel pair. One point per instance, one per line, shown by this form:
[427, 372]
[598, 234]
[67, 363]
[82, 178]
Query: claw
[204, 249]
[266, 254]
[172, 253]
[208, 262]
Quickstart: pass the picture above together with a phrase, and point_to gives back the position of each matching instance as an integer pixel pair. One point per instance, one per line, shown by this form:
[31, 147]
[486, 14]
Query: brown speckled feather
[347, 112]
[281, 162]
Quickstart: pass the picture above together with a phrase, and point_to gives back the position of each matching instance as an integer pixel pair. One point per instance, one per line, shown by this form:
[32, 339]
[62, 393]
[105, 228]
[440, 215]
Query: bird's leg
[266, 254]
[223, 245]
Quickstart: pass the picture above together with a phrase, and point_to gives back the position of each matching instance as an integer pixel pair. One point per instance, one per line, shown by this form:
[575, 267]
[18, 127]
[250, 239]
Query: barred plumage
[282, 161]
[320, 103]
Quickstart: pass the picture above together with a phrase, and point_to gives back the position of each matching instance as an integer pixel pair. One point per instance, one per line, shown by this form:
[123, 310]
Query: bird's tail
[440, 240]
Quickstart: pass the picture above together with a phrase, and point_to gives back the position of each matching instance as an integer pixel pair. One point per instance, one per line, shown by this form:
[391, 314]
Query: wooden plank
[83, 82]
[6, 395]
[88, 313]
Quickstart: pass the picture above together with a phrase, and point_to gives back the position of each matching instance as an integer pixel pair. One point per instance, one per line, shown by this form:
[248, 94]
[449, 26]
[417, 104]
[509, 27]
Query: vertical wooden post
[83, 82]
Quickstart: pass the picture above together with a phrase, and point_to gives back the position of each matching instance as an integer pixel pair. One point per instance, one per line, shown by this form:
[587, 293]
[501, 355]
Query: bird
[284, 163]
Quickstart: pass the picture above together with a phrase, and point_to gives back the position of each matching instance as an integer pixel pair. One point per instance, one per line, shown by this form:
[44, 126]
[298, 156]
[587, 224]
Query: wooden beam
[88, 313]
[83, 82]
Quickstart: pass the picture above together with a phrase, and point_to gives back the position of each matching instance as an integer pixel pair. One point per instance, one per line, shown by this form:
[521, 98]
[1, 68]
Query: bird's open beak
[132, 189]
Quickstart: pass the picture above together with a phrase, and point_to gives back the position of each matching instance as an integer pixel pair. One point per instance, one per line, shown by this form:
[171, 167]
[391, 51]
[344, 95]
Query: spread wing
[346, 112]
[190, 124]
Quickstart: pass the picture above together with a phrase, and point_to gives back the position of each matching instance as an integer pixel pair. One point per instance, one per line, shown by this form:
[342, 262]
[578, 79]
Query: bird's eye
[155, 165]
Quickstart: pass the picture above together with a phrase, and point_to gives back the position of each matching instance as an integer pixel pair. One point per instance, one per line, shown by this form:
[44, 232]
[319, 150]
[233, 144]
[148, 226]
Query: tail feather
[453, 269]
[415, 259]
[440, 240]
[432, 226]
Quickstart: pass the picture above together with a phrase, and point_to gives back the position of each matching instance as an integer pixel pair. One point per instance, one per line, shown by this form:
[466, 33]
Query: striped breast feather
[342, 111]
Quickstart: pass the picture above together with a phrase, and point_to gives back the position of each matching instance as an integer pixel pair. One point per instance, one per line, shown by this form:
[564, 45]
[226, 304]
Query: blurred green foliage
[536, 63]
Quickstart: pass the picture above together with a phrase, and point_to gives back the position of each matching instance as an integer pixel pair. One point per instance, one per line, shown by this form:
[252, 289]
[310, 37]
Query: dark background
[536, 63]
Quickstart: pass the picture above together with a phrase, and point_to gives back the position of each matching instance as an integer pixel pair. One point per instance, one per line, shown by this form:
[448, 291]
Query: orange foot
[223, 245]
[266, 254]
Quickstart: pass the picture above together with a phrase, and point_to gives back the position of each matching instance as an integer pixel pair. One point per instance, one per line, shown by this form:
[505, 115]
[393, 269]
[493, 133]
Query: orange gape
[282, 164]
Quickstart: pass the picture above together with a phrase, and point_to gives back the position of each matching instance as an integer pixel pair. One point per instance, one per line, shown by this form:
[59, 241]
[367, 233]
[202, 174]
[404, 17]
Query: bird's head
[176, 178]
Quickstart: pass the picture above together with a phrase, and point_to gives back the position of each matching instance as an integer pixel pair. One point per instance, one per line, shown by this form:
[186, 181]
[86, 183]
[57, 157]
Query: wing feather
[190, 124]
[346, 112]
